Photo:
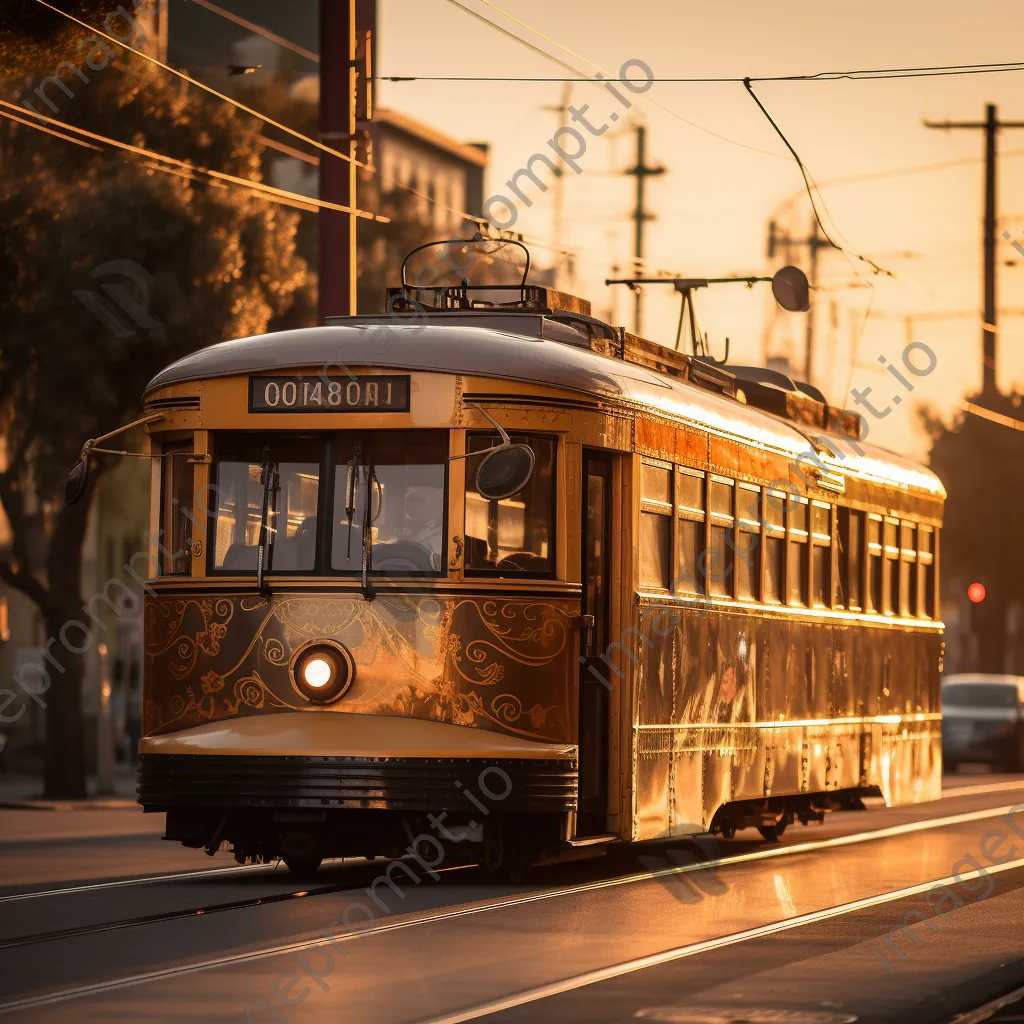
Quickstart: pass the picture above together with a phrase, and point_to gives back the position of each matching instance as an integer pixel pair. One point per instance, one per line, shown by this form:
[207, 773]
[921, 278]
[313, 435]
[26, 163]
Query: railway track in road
[236, 870]
[767, 854]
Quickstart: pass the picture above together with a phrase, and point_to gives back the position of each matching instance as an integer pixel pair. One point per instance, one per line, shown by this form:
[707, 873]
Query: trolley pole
[641, 172]
[337, 262]
[990, 126]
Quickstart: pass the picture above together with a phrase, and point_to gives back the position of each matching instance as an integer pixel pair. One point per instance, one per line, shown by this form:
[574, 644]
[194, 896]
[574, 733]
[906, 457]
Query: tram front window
[403, 478]
[239, 494]
[515, 535]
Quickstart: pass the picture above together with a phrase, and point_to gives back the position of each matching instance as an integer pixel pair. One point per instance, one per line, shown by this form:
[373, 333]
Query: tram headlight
[322, 670]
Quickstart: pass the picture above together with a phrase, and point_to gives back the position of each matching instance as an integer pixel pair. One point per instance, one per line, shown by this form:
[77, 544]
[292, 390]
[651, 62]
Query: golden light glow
[317, 672]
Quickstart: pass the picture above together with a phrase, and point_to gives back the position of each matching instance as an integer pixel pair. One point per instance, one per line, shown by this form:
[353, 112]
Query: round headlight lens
[317, 672]
[322, 670]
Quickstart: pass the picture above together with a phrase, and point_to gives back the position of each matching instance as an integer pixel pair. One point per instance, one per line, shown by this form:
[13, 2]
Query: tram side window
[292, 514]
[891, 581]
[797, 561]
[926, 571]
[821, 554]
[748, 542]
[851, 534]
[514, 536]
[719, 563]
[655, 525]
[774, 546]
[178, 498]
[874, 563]
[690, 501]
[908, 569]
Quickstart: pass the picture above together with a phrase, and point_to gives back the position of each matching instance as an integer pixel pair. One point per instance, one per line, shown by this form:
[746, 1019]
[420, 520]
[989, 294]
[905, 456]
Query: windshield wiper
[368, 520]
[354, 465]
[264, 555]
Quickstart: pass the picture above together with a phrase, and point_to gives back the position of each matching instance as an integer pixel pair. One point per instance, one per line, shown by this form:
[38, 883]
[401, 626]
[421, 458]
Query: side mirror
[78, 480]
[791, 290]
[505, 471]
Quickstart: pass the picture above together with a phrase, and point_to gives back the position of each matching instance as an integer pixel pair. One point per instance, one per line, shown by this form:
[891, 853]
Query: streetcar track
[607, 973]
[435, 917]
[235, 870]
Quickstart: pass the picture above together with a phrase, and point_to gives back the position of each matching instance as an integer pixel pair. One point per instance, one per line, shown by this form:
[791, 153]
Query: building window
[874, 563]
[797, 568]
[655, 525]
[690, 510]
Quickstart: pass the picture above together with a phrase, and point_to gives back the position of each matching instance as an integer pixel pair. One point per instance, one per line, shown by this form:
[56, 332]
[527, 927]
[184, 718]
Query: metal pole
[813, 242]
[988, 332]
[337, 263]
[638, 218]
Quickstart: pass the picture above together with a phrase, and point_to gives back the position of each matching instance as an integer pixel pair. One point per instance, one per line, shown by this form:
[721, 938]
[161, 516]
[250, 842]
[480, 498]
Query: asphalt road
[913, 913]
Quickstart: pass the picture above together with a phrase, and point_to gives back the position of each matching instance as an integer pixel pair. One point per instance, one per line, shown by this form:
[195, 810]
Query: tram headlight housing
[322, 670]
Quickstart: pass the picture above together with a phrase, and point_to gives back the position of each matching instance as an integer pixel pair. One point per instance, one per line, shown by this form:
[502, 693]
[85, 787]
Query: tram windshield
[385, 487]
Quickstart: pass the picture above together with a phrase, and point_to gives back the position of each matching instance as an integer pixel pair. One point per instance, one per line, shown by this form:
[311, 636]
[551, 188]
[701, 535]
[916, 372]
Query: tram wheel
[305, 866]
[772, 833]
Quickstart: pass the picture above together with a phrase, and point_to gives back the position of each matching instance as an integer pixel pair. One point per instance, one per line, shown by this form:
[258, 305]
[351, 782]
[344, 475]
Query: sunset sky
[713, 205]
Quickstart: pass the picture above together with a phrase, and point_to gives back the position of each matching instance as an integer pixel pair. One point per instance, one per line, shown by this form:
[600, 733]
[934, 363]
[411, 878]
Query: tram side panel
[735, 706]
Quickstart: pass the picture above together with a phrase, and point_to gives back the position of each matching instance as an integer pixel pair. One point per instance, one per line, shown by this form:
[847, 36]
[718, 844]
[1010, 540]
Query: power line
[601, 79]
[808, 181]
[213, 92]
[260, 31]
[864, 75]
[256, 186]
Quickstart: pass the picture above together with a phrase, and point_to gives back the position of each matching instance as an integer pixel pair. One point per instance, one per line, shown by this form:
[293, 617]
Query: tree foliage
[217, 261]
[981, 464]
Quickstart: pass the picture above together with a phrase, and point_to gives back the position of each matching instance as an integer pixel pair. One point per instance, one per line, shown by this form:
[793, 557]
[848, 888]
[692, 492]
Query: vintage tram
[487, 559]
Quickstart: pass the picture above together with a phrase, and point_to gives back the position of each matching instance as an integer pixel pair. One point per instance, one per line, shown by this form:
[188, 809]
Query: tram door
[593, 693]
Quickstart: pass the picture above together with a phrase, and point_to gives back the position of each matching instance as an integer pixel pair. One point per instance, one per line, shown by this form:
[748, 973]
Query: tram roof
[511, 349]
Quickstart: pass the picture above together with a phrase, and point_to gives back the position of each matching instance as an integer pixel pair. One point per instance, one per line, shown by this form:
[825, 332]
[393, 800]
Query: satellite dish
[78, 480]
[791, 290]
[505, 471]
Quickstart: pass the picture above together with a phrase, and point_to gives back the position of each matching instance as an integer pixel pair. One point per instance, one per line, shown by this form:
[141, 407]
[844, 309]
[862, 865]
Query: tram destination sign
[320, 393]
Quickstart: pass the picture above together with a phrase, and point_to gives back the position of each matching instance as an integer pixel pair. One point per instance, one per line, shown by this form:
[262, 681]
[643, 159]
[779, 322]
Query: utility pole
[337, 262]
[991, 126]
[641, 172]
[813, 242]
[558, 197]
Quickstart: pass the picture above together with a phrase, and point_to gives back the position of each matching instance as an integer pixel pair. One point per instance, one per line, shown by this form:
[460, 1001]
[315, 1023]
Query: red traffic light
[976, 592]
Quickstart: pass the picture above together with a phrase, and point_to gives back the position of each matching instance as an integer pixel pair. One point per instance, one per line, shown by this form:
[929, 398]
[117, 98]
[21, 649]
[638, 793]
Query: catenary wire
[602, 78]
[206, 88]
[257, 186]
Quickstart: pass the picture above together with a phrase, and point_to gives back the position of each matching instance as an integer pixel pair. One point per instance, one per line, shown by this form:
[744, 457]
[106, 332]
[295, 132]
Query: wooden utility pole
[337, 263]
[640, 215]
[814, 242]
[991, 126]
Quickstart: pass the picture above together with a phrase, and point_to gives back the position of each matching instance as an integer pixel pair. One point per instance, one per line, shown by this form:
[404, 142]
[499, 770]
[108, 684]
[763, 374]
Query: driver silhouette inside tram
[424, 511]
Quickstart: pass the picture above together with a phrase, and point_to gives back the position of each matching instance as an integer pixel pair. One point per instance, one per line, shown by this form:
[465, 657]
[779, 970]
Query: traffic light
[976, 593]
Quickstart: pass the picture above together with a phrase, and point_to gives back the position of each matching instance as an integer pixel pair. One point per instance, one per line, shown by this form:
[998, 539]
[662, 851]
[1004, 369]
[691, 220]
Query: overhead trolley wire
[257, 186]
[260, 31]
[862, 75]
[206, 88]
[600, 79]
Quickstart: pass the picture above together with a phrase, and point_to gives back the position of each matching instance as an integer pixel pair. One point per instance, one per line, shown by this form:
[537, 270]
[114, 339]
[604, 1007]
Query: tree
[218, 262]
[979, 462]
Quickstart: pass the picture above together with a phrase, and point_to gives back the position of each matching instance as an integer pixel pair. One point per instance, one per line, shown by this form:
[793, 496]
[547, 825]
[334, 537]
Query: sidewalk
[25, 792]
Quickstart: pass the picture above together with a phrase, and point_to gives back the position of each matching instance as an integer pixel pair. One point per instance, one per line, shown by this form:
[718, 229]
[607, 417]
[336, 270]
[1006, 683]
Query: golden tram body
[695, 615]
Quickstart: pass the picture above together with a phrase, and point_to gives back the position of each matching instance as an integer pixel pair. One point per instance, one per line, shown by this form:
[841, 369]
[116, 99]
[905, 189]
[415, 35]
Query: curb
[66, 805]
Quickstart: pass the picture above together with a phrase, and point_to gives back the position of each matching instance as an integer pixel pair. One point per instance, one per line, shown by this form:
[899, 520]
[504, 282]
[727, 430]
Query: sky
[724, 183]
